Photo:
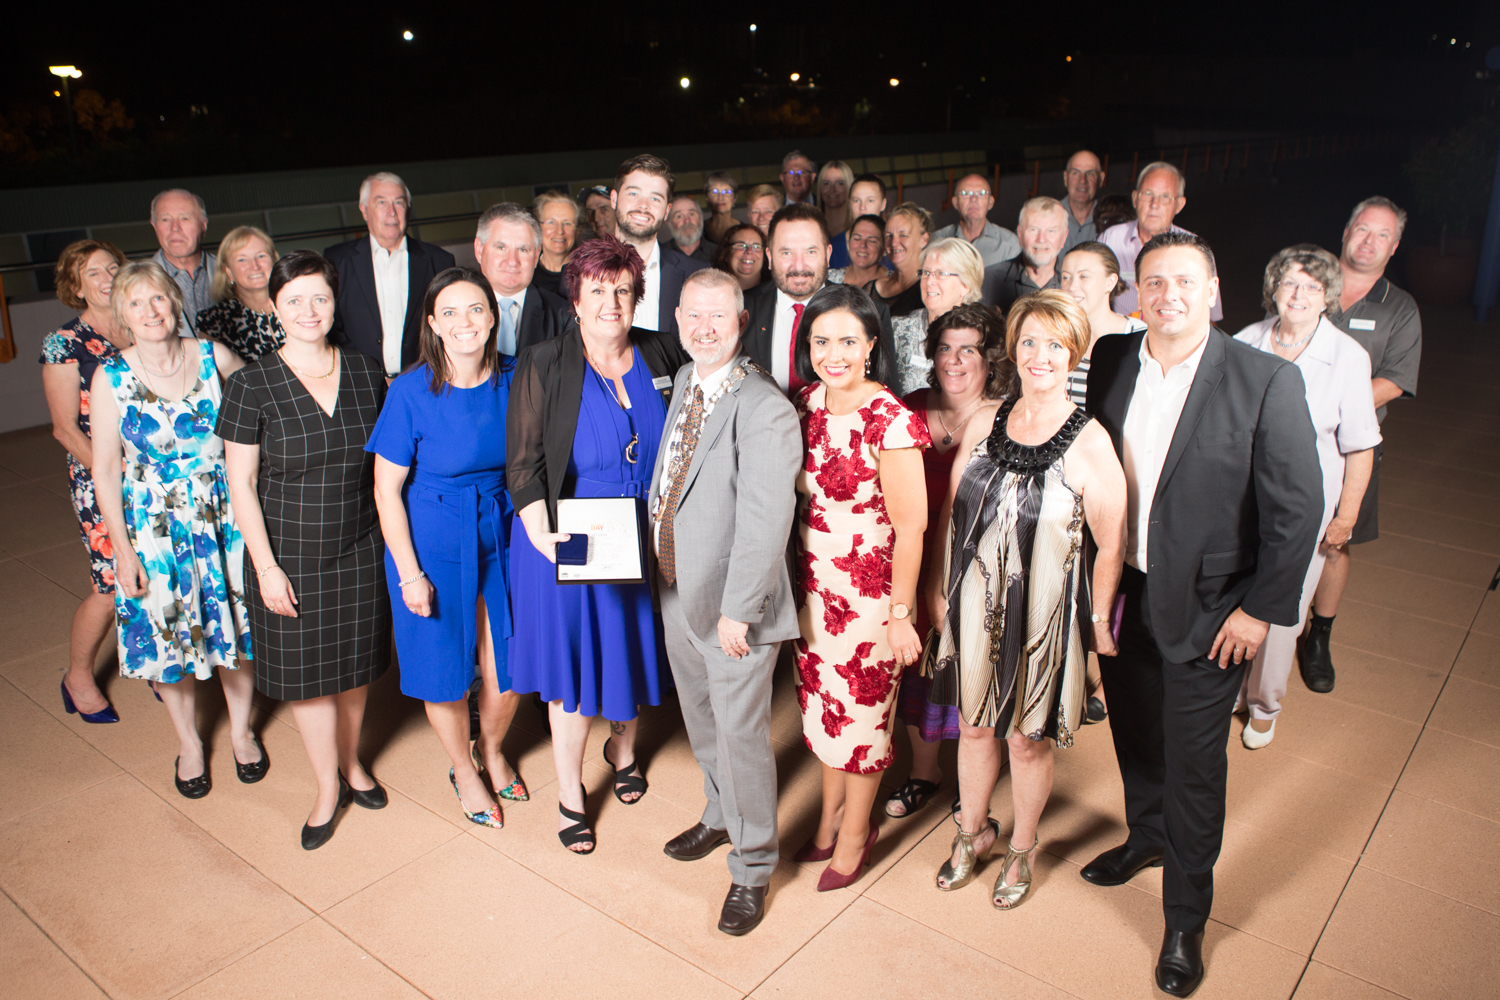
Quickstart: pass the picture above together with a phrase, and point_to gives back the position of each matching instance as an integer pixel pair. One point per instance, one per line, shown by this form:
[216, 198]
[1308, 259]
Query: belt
[486, 497]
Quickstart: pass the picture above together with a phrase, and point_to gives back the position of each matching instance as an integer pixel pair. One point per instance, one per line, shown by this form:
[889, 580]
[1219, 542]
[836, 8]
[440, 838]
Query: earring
[867, 364]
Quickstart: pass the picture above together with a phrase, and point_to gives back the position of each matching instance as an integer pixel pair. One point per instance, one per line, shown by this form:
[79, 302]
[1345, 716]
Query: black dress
[902, 303]
[317, 494]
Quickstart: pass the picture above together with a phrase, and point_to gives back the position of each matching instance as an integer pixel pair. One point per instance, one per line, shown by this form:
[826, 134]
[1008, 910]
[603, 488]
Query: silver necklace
[145, 370]
[947, 434]
[1275, 335]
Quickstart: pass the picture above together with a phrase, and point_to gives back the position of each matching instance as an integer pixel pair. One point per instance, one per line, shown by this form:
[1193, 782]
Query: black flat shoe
[1179, 968]
[192, 788]
[744, 908]
[370, 798]
[314, 837]
[1315, 661]
[251, 773]
[698, 841]
[1119, 865]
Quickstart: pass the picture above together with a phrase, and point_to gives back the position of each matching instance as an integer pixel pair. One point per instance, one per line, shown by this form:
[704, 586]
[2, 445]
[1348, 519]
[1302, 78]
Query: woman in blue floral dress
[160, 484]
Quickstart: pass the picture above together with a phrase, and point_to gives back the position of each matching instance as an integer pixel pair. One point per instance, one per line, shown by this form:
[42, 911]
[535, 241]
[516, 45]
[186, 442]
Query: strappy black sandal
[625, 781]
[579, 832]
[913, 795]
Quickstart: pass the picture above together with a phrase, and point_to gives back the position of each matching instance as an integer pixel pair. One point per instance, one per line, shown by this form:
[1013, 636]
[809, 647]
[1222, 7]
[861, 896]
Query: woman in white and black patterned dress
[294, 426]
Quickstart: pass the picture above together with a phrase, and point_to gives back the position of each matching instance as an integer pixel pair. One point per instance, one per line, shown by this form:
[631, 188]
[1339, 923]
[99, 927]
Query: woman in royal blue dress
[585, 420]
[439, 449]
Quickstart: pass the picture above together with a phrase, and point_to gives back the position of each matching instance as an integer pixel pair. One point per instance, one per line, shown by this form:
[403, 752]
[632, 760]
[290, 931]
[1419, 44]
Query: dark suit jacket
[542, 418]
[760, 301]
[1236, 513]
[543, 316]
[356, 323]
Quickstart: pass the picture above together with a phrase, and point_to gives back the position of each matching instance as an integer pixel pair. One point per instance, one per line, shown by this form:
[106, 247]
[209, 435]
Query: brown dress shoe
[697, 842]
[743, 909]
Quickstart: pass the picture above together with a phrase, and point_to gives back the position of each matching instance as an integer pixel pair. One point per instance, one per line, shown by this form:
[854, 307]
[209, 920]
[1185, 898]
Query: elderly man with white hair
[180, 220]
[507, 246]
[1043, 230]
[1160, 193]
[382, 278]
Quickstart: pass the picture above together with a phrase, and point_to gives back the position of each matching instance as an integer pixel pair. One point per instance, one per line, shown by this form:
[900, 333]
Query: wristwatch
[900, 612]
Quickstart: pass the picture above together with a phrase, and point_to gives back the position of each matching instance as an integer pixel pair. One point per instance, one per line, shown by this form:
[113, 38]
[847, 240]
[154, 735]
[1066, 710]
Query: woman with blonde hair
[242, 317]
[950, 273]
[559, 215]
[834, 182]
[907, 232]
[761, 203]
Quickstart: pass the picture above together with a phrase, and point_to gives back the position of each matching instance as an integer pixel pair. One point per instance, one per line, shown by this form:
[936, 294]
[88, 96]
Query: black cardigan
[545, 395]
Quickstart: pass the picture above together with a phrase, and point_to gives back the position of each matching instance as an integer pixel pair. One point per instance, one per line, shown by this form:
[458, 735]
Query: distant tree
[99, 119]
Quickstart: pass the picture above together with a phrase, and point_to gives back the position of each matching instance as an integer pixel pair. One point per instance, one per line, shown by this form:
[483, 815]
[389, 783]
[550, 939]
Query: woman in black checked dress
[294, 426]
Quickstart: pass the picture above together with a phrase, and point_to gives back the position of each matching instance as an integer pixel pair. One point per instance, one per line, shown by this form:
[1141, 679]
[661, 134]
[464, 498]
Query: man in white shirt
[180, 220]
[973, 199]
[1159, 195]
[382, 278]
[1225, 505]
[643, 191]
[507, 246]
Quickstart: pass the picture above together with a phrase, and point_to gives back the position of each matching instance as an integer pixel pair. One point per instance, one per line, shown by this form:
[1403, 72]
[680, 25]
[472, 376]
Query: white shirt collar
[380, 251]
[1190, 363]
[714, 379]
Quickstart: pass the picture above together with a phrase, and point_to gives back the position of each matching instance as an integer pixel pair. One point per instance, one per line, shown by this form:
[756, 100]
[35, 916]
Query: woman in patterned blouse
[85, 272]
[241, 317]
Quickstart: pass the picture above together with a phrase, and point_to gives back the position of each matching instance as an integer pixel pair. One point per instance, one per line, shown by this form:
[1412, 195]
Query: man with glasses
[974, 200]
[797, 178]
[1043, 226]
[1158, 196]
[1083, 176]
[719, 190]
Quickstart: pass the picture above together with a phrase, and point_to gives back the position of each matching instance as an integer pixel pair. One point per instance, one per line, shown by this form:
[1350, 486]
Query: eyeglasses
[798, 173]
[1152, 198]
[924, 273]
[746, 247]
[721, 190]
[974, 194]
[1307, 289]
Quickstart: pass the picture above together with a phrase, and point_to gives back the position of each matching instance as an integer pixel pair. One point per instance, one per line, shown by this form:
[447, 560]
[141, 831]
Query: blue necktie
[505, 338]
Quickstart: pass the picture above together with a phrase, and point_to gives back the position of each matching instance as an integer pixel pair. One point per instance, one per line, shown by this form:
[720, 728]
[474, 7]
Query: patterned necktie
[793, 382]
[666, 542]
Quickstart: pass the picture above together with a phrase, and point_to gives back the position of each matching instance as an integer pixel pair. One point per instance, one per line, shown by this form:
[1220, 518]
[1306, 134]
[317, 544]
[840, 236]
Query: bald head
[973, 199]
[1083, 176]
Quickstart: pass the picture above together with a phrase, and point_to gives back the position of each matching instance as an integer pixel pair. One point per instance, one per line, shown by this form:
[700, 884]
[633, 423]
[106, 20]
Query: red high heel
[810, 851]
[831, 879]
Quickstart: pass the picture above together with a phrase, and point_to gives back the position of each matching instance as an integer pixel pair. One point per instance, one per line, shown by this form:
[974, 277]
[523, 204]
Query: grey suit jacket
[736, 509]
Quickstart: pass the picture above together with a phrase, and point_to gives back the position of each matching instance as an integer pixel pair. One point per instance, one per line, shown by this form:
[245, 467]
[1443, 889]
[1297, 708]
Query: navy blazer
[1235, 518]
[356, 323]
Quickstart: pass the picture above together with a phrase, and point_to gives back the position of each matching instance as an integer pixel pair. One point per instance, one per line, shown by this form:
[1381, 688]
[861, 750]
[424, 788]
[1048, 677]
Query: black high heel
[579, 832]
[314, 837]
[625, 782]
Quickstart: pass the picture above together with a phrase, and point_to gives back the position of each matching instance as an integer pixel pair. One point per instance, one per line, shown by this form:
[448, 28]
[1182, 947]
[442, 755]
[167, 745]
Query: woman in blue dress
[439, 449]
[585, 420]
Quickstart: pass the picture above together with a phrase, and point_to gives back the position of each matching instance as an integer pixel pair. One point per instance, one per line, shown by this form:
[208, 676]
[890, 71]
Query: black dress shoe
[251, 773]
[1179, 969]
[192, 788]
[314, 837]
[1315, 661]
[370, 798]
[696, 842]
[743, 909]
[1119, 865]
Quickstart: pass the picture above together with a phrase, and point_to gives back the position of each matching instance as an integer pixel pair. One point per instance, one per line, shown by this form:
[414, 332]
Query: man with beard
[643, 190]
[685, 230]
[1083, 176]
[1043, 227]
[1159, 195]
[799, 249]
[723, 496]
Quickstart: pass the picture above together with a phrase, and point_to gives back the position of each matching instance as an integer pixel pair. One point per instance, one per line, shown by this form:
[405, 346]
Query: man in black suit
[799, 248]
[383, 277]
[507, 245]
[1225, 500]
[643, 191]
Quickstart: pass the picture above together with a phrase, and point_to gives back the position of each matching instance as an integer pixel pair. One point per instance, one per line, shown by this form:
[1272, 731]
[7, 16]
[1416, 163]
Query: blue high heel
[107, 714]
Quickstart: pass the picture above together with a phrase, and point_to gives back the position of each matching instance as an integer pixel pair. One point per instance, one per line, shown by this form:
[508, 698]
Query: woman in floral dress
[160, 483]
[70, 354]
[861, 514]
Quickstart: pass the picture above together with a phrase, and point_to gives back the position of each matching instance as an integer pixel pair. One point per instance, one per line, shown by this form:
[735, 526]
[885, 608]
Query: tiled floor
[1359, 857]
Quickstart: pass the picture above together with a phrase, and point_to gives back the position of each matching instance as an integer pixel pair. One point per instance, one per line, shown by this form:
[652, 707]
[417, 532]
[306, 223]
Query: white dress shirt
[391, 278]
[1155, 407]
[781, 338]
[648, 309]
[713, 387]
[508, 334]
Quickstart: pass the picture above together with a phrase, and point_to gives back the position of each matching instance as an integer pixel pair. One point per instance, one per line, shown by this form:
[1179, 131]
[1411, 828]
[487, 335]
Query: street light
[895, 82]
[68, 73]
[685, 82]
[407, 36]
[796, 77]
[752, 46]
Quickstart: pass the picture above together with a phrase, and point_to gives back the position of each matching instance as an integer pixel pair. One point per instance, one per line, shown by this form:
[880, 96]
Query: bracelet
[262, 572]
[420, 576]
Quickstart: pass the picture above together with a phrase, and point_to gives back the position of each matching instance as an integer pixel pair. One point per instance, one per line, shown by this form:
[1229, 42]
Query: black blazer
[1237, 509]
[545, 394]
[760, 301]
[356, 323]
[543, 316]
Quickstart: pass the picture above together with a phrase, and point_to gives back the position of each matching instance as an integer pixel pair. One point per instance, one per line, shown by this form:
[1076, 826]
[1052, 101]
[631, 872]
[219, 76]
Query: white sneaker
[1254, 740]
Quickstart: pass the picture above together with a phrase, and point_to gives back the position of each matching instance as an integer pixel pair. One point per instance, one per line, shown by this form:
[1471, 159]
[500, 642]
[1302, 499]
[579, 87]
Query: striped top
[1078, 378]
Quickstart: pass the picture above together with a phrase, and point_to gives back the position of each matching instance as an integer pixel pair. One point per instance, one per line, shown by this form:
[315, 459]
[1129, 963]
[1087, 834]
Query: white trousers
[1265, 681]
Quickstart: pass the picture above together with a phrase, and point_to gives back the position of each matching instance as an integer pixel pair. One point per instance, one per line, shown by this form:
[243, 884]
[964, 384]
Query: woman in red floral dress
[861, 514]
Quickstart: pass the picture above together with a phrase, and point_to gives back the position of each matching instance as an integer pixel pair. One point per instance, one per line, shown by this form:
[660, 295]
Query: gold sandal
[1010, 895]
[968, 861]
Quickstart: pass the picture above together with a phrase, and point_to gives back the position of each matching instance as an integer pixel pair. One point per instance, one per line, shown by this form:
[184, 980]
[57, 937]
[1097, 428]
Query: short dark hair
[300, 264]
[430, 350]
[1177, 238]
[1111, 210]
[869, 179]
[990, 325]
[873, 220]
[798, 212]
[647, 164]
[598, 259]
[849, 299]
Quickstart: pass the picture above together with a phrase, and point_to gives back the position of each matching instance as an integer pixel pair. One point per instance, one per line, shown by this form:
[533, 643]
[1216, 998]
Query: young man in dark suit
[1225, 498]
[383, 277]
[642, 194]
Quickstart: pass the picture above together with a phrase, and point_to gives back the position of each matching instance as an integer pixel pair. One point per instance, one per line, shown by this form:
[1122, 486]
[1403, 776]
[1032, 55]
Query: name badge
[665, 382]
[1361, 324]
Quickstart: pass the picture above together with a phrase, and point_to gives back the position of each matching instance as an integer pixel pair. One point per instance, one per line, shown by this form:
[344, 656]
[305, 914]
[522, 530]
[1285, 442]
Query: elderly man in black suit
[642, 195]
[383, 277]
[507, 246]
[1224, 505]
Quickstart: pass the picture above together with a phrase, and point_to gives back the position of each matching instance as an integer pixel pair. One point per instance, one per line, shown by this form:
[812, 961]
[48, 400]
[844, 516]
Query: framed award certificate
[615, 551]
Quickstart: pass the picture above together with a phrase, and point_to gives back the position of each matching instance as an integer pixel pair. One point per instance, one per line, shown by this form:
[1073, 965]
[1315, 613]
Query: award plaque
[616, 551]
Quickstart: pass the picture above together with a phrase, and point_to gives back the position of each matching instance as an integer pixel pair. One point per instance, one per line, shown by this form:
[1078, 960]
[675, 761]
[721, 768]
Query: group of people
[944, 472]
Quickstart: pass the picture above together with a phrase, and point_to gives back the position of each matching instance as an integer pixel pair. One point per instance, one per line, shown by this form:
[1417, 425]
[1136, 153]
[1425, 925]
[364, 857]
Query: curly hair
[1320, 265]
[986, 322]
[68, 277]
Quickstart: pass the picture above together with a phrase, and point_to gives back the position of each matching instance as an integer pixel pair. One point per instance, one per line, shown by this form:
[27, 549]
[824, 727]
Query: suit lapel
[364, 274]
[712, 428]
[663, 456]
[1205, 383]
[528, 326]
[1116, 402]
[416, 282]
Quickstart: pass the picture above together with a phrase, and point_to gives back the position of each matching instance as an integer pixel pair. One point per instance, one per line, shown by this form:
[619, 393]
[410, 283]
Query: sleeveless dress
[1012, 653]
[846, 672]
[192, 617]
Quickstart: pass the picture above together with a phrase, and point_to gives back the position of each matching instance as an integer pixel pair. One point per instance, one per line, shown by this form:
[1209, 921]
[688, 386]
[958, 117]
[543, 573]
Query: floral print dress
[846, 672]
[192, 617]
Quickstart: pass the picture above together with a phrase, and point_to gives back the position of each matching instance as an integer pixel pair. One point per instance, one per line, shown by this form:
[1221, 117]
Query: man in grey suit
[722, 502]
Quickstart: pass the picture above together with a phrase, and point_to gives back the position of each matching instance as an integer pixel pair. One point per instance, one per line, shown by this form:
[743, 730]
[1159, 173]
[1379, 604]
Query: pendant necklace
[181, 357]
[609, 385]
[947, 434]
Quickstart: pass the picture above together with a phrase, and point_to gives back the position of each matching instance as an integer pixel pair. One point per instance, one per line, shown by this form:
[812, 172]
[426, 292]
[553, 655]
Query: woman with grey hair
[949, 273]
[1300, 282]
